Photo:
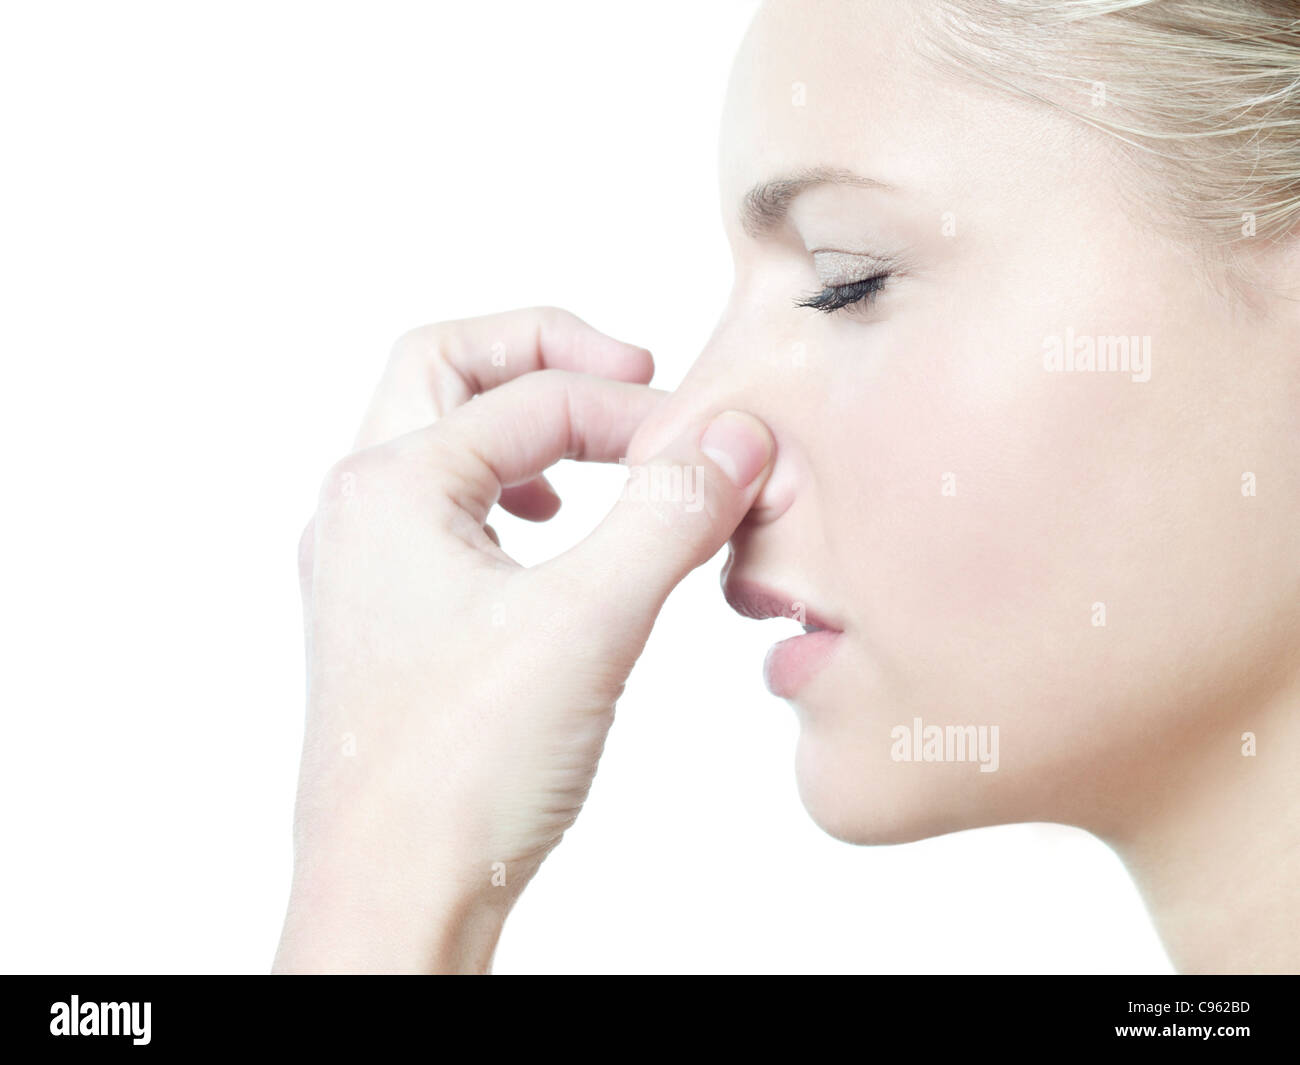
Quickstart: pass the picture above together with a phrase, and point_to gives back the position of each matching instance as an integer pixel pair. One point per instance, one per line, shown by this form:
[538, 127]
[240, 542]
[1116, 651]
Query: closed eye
[836, 297]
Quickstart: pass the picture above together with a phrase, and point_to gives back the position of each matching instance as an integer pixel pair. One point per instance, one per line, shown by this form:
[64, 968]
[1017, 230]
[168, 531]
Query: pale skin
[1000, 222]
[412, 848]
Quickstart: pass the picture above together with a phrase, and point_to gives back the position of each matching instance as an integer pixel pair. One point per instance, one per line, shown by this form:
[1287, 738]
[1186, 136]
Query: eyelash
[835, 297]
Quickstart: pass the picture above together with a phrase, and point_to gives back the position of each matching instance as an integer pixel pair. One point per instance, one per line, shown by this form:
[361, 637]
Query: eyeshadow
[841, 268]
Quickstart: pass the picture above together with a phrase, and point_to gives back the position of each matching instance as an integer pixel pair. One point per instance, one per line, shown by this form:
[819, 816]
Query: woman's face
[1071, 556]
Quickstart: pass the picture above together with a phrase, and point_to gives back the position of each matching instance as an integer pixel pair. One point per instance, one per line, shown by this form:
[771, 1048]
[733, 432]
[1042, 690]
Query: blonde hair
[1204, 92]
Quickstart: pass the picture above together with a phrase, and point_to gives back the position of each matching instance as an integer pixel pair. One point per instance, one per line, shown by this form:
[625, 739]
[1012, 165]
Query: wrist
[356, 924]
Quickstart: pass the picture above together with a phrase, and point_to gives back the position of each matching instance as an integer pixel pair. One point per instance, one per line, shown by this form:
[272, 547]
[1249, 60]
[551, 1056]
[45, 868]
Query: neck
[1213, 841]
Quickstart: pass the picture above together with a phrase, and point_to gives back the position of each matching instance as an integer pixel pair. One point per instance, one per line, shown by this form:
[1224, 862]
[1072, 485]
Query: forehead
[817, 85]
[844, 84]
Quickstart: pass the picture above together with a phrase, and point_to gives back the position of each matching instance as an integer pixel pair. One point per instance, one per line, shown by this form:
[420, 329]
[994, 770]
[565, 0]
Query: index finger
[438, 367]
[513, 433]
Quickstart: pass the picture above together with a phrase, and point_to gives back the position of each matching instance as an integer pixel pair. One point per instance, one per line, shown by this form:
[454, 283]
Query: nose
[716, 382]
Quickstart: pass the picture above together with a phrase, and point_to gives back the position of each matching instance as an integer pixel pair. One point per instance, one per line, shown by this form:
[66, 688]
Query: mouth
[791, 663]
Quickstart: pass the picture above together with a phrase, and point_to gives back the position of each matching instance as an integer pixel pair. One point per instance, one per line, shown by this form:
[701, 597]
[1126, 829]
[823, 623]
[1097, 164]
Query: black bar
[863, 1016]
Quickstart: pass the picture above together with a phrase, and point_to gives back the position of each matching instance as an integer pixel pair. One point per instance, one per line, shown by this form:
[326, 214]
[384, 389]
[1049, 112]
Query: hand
[458, 703]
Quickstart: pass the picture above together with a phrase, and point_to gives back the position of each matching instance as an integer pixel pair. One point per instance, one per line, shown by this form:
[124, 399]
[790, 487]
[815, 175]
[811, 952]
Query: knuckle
[370, 473]
[554, 317]
[415, 345]
[430, 357]
[552, 322]
[416, 339]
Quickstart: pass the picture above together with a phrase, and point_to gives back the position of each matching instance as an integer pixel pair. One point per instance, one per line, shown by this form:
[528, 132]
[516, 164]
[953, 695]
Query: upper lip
[753, 600]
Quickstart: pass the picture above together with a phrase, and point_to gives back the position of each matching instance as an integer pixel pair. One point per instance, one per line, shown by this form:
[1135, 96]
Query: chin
[856, 793]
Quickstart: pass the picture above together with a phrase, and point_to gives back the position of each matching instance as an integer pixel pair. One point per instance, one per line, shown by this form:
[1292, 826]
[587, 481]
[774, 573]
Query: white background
[215, 219]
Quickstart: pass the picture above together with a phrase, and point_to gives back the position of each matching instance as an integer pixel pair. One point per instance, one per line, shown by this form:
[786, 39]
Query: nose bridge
[720, 378]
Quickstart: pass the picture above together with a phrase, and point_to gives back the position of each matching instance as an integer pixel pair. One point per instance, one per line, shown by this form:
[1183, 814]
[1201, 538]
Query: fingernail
[739, 444]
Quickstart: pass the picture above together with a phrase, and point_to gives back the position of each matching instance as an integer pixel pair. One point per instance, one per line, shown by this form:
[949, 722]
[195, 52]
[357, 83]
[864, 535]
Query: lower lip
[794, 662]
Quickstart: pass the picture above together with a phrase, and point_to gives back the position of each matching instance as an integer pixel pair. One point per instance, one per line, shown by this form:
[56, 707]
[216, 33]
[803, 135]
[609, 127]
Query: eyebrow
[765, 206]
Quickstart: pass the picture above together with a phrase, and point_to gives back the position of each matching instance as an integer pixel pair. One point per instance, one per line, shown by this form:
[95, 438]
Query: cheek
[996, 504]
[995, 499]
[956, 499]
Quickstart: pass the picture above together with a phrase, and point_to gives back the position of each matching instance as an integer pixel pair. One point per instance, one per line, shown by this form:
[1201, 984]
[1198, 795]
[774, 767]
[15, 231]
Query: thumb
[675, 513]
